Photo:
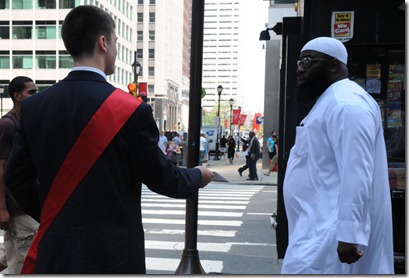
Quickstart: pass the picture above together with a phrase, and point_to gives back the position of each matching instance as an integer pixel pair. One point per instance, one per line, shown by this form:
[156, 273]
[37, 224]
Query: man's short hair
[82, 27]
[17, 85]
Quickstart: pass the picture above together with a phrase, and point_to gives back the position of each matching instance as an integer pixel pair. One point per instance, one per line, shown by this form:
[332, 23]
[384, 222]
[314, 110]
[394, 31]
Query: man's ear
[17, 97]
[335, 65]
[102, 44]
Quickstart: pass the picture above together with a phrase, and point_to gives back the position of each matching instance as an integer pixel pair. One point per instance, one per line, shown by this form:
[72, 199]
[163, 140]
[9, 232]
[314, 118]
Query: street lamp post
[136, 68]
[219, 93]
[231, 102]
[238, 132]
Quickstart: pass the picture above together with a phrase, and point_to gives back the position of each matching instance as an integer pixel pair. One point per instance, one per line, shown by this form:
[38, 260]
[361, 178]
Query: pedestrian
[202, 149]
[336, 189]
[19, 228]
[246, 155]
[176, 138]
[91, 146]
[231, 148]
[163, 141]
[171, 150]
[223, 142]
[254, 155]
[178, 142]
[272, 145]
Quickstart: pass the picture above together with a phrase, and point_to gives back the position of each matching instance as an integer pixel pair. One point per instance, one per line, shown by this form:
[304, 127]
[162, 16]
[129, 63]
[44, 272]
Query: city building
[31, 44]
[221, 52]
[163, 50]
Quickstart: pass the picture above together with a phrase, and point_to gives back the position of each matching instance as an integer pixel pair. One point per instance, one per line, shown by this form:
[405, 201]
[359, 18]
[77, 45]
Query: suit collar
[84, 74]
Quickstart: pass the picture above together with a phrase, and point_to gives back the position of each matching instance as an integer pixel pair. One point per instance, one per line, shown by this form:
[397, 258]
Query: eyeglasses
[307, 61]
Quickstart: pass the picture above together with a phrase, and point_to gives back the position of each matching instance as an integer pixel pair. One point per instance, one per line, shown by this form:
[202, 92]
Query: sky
[253, 19]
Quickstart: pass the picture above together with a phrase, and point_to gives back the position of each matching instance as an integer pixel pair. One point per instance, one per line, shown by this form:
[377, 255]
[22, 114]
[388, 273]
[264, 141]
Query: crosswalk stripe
[146, 200]
[215, 233]
[222, 202]
[166, 264]
[207, 198]
[200, 213]
[171, 245]
[200, 206]
[200, 222]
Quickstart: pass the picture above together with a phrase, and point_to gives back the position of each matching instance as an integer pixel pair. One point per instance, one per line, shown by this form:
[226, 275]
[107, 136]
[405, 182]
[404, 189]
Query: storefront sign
[342, 26]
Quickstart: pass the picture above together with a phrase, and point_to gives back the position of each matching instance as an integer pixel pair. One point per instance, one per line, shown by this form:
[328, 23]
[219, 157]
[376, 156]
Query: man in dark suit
[99, 229]
[254, 155]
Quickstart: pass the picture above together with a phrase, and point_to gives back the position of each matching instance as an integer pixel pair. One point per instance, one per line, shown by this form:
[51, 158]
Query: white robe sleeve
[352, 132]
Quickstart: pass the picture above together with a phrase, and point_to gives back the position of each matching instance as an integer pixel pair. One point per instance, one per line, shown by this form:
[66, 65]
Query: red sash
[93, 140]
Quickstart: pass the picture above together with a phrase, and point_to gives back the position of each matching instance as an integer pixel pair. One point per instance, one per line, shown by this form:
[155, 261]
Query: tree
[208, 117]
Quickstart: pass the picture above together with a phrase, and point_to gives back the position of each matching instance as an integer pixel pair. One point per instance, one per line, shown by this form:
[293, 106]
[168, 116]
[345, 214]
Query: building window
[151, 89]
[59, 29]
[22, 4]
[22, 30]
[68, 4]
[139, 53]
[46, 30]
[140, 2]
[152, 2]
[22, 62]
[4, 30]
[44, 84]
[151, 71]
[140, 17]
[151, 17]
[4, 4]
[140, 36]
[46, 4]
[152, 35]
[151, 53]
[46, 61]
[65, 61]
[4, 62]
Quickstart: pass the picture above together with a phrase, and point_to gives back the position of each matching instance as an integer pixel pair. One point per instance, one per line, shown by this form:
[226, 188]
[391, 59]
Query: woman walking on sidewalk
[231, 149]
[272, 151]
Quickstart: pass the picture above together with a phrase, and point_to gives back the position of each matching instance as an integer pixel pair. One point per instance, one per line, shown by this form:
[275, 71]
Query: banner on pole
[236, 116]
[242, 119]
[143, 88]
[258, 119]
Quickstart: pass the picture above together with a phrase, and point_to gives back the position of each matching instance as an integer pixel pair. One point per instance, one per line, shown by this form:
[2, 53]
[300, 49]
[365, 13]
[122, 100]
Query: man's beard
[312, 87]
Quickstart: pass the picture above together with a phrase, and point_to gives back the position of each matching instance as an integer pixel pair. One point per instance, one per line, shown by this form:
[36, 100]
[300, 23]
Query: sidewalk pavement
[229, 171]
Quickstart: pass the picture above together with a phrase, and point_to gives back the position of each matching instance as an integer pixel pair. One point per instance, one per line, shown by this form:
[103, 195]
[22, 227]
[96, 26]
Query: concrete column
[272, 93]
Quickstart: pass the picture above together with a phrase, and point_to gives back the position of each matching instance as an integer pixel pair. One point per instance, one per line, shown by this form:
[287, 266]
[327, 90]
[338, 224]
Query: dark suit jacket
[99, 230]
[255, 147]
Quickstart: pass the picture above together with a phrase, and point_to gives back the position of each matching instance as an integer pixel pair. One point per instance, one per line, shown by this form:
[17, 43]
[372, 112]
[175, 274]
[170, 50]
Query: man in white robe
[336, 188]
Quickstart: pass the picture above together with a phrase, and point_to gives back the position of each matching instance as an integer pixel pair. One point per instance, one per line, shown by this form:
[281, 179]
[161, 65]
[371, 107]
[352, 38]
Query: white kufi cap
[329, 46]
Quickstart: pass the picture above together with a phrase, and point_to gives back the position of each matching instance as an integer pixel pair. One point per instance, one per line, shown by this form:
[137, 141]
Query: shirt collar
[100, 72]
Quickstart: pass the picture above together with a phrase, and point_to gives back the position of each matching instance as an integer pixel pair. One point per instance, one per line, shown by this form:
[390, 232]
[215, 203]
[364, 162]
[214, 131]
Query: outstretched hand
[348, 252]
[207, 175]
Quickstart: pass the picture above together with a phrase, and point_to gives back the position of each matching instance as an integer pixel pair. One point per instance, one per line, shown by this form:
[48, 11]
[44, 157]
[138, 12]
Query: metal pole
[238, 132]
[238, 137]
[190, 262]
[231, 109]
[216, 157]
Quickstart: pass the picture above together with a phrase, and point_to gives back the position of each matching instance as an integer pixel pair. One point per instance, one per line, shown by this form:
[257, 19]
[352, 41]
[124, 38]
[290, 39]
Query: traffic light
[132, 88]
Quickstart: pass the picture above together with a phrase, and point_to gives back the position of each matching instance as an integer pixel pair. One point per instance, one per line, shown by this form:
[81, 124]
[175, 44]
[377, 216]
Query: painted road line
[166, 264]
[227, 223]
[215, 233]
[200, 213]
